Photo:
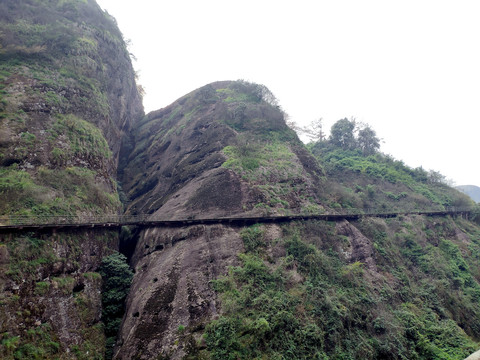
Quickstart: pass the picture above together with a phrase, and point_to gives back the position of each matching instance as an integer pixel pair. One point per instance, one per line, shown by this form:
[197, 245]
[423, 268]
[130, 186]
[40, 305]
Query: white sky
[410, 68]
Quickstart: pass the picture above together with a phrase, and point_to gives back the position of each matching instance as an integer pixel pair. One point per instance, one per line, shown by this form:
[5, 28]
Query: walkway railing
[19, 222]
[69, 219]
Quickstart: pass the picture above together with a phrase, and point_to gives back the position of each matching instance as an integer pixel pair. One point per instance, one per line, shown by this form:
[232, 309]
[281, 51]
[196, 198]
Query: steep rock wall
[366, 289]
[178, 157]
[67, 96]
[222, 150]
[171, 296]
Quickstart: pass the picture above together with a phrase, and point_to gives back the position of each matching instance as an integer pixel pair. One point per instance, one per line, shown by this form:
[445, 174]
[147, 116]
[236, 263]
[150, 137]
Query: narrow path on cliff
[144, 220]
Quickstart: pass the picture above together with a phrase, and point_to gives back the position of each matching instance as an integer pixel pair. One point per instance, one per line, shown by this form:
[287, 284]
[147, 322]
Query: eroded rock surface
[359, 247]
[219, 151]
[171, 293]
[67, 96]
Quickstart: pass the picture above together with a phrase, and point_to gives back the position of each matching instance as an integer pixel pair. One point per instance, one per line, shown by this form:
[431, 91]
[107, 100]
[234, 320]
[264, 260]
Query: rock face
[220, 291]
[213, 153]
[360, 248]
[72, 123]
[50, 289]
[209, 154]
[67, 96]
[171, 289]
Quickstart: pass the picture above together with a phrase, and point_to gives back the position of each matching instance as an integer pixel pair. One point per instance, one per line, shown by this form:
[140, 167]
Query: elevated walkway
[9, 223]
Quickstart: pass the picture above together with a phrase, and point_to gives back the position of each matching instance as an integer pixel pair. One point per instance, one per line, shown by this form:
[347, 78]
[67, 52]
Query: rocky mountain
[209, 154]
[471, 190]
[372, 288]
[67, 97]
[74, 141]
[222, 150]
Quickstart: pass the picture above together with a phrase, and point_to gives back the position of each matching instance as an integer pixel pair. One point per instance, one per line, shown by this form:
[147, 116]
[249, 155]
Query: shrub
[252, 237]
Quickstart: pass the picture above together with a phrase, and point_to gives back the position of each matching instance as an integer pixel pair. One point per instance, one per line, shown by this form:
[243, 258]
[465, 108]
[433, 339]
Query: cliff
[398, 288]
[221, 150]
[67, 96]
[210, 154]
[73, 129]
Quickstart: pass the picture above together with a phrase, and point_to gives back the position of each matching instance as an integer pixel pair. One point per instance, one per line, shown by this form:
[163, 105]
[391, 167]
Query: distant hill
[471, 190]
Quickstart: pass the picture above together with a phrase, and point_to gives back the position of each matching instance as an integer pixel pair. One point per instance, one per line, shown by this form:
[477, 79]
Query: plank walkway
[9, 223]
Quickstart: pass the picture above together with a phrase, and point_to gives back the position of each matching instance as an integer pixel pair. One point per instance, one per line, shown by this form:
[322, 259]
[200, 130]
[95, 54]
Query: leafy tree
[117, 277]
[435, 177]
[352, 135]
[368, 141]
[342, 134]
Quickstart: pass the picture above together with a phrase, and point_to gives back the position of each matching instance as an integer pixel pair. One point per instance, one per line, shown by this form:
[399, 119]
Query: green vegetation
[348, 135]
[66, 89]
[232, 95]
[345, 134]
[354, 166]
[272, 169]
[252, 238]
[409, 290]
[55, 58]
[86, 141]
[247, 157]
[67, 191]
[50, 35]
[39, 344]
[313, 304]
[28, 254]
[253, 109]
[117, 277]
[31, 255]
[412, 188]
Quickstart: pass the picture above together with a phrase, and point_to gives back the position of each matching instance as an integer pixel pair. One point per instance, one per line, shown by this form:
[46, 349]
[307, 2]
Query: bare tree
[292, 124]
[314, 131]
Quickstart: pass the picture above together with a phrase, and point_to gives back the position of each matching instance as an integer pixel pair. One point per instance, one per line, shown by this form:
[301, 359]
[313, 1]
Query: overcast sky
[410, 68]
